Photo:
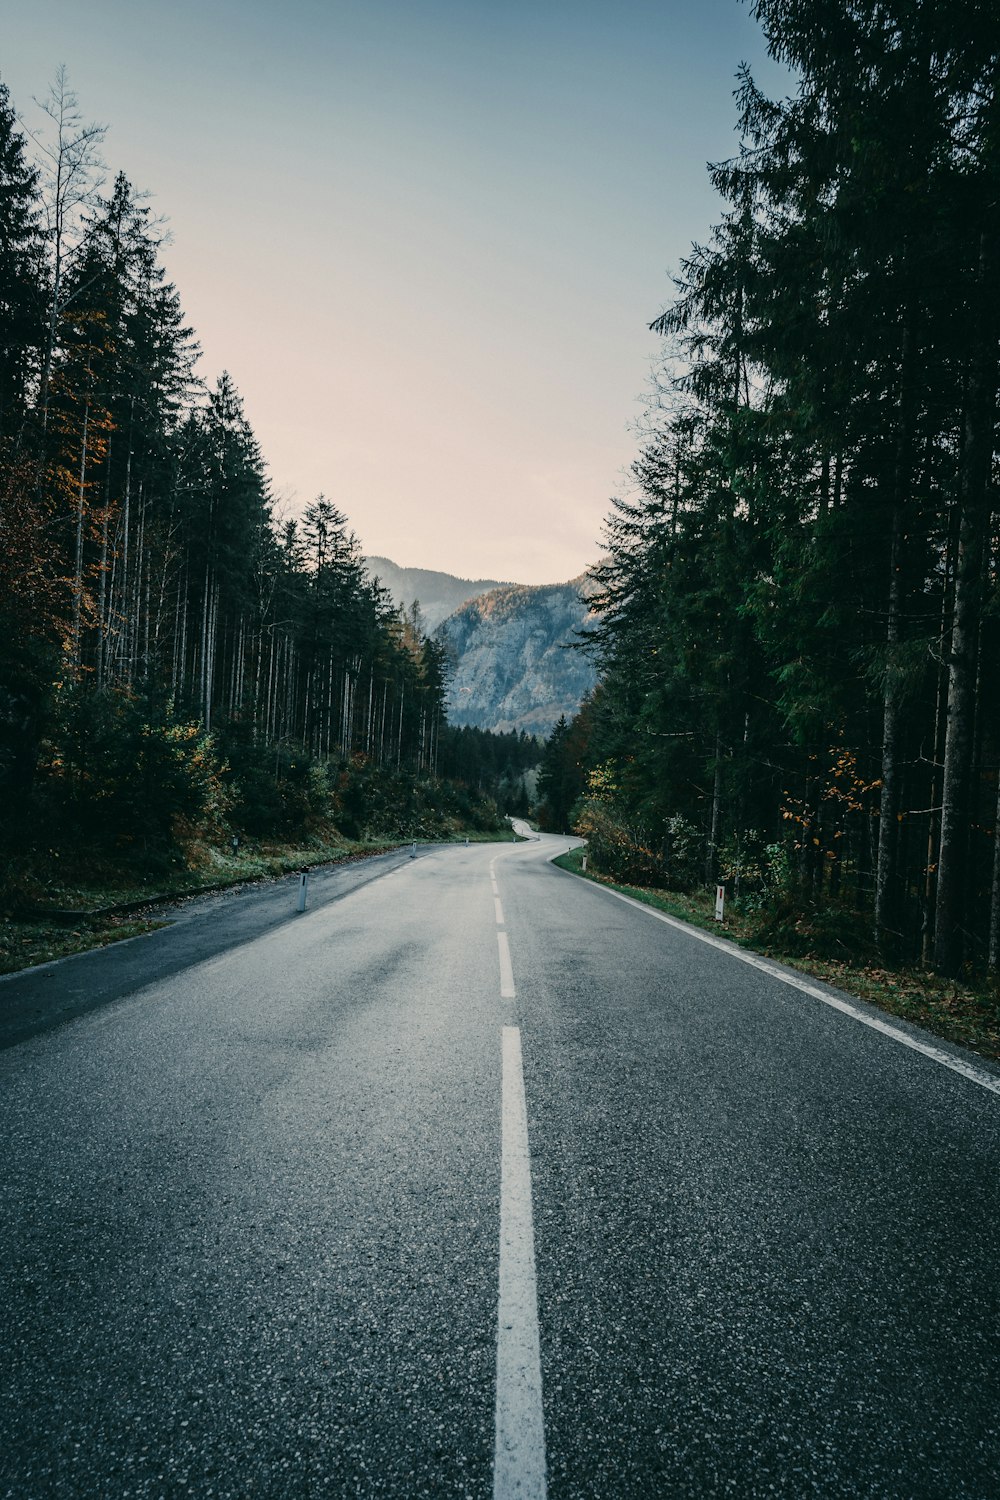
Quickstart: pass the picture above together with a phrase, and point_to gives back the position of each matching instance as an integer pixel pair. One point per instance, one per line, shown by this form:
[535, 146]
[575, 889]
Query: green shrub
[615, 847]
[683, 854]
[120, 769]
[377, 802]
[830, 929]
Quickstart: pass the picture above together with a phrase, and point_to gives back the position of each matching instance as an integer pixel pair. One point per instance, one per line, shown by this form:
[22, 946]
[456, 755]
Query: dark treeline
[171, 651]
[801, 684]
[499, 765]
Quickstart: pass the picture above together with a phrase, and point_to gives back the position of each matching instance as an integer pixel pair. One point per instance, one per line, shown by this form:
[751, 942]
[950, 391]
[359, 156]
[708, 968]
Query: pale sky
[425, 238]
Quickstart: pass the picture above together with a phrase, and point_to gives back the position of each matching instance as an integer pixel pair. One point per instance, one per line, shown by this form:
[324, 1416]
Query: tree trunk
[956, 789]
[994, 951]
[711, 853]
[78, 561]
[887, 913]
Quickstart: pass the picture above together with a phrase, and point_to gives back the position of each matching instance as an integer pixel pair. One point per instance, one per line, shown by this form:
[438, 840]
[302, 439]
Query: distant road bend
[476, 1181]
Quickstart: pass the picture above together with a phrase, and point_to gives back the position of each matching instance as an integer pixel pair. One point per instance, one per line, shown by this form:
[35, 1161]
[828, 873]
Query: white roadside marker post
[413, 849]
[303, 889]
[720, 903]
[583, 862]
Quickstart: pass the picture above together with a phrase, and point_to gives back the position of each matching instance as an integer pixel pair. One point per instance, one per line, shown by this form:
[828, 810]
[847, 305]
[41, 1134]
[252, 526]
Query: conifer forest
[800, 644]
[176, 659]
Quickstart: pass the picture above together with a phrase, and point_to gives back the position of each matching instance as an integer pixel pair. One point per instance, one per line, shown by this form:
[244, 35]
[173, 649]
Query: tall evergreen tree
[22, 275]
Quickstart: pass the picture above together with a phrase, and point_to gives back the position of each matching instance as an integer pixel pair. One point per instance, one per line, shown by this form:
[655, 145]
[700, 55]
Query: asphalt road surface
[475, 1180]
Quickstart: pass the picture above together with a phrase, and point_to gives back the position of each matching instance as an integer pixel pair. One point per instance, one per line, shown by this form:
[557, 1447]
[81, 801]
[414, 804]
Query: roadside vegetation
[84, 863]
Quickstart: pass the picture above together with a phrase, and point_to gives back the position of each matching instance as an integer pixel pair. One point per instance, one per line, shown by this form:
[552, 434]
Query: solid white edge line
[926, 1049]
[519, 1426]
[507, 991]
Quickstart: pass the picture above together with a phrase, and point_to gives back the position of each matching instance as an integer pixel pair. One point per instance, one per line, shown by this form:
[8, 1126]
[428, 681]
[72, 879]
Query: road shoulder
[961, 1056]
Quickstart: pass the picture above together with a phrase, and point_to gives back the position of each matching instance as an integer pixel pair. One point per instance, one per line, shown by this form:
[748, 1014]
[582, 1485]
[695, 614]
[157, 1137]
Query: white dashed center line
[507, 991]
[519, 1450]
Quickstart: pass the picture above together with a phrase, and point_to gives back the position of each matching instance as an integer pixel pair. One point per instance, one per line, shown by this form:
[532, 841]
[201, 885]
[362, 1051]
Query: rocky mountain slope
[438, 594]
[511, 666]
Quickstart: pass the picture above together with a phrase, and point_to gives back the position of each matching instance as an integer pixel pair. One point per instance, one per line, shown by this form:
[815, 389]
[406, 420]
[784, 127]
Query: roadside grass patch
[84, 884]
[24, 944]
[968, 1014]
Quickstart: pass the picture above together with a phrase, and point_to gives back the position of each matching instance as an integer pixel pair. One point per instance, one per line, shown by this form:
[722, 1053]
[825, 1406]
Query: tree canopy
[798, 647]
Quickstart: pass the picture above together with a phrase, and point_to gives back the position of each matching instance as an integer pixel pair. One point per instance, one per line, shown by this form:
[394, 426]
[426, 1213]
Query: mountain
[439, 594]
[511, 666]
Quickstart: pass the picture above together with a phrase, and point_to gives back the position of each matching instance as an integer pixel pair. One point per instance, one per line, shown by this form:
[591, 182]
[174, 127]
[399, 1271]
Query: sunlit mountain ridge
[514, 662]
[438, 594]
[511, 644]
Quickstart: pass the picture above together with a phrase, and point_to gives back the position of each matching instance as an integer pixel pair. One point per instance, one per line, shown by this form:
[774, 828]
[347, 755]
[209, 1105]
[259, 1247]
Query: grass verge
[24, 944]
[964, 1013]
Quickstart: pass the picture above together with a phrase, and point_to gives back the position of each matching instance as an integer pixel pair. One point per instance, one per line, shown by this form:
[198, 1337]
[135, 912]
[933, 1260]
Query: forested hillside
[800, 649]
[512, 662]
[175, 658]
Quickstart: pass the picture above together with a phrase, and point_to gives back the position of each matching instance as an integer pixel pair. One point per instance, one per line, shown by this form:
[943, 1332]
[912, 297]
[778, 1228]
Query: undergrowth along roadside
[23, 945]
[962, 1013]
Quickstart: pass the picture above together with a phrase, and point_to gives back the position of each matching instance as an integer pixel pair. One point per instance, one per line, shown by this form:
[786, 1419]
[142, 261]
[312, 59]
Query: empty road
[475, 1180]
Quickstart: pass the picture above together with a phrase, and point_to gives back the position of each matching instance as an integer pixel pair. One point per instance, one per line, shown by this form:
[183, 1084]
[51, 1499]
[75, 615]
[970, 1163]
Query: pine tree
[22, 280]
